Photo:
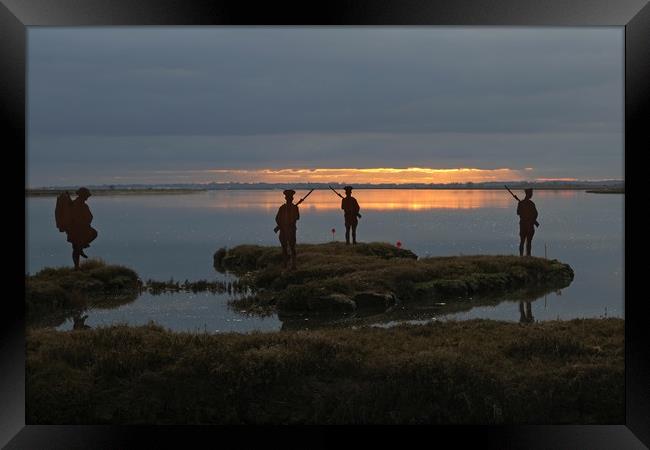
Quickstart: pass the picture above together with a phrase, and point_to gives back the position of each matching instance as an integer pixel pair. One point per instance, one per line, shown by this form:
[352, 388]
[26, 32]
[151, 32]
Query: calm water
[175, 236]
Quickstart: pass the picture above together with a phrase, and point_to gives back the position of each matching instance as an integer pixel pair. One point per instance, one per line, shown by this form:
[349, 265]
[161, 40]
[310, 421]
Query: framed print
[356, 213]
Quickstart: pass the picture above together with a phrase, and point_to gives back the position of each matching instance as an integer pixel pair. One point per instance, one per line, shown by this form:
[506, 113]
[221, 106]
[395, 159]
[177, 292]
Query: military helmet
[347, 188]
[529, 191]
[289, 192]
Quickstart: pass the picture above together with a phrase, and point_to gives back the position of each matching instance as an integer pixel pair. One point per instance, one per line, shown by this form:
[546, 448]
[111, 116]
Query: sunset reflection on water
[376, 199]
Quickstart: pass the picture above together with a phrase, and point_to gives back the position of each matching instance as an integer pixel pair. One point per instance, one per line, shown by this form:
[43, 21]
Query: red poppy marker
[399, 244]
[333, 231]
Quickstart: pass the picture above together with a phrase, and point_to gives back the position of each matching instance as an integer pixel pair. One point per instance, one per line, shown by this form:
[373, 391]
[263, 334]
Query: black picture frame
[16, 15]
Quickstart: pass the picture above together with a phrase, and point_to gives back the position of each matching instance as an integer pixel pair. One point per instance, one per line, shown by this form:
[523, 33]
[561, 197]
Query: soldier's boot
[347, 236]
[354, 237]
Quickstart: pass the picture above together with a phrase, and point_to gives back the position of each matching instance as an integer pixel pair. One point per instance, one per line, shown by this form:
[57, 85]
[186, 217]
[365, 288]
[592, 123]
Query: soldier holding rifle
[350, 208]
[286, 218]
[527, 213]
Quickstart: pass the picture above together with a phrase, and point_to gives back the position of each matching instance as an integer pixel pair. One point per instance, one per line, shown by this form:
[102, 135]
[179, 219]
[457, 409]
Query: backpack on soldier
[63, 211]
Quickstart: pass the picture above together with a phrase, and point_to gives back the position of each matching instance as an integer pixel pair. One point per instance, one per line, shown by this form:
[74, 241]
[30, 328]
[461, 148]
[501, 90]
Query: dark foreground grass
[336, 277]
[479, 372]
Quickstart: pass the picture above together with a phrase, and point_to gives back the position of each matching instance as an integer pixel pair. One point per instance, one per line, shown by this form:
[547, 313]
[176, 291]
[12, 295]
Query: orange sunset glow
[366, 175]
[323, 200]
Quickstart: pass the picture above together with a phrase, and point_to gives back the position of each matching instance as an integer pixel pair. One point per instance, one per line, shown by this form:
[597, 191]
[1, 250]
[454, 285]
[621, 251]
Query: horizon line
[567, 181]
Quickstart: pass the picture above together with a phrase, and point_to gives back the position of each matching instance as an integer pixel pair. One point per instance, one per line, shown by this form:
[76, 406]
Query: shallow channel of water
[175, 236]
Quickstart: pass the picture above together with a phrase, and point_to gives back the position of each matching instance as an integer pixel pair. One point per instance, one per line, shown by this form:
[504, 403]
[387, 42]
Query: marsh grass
[334, 269]
[479, 372]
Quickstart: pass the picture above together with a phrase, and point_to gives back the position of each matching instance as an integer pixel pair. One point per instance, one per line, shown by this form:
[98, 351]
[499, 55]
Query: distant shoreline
[162, 191]
[145, 191]
[606, 191]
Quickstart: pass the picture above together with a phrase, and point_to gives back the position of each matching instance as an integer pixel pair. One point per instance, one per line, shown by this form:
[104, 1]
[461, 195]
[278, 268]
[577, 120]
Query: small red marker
[333, 231]
[398, 244]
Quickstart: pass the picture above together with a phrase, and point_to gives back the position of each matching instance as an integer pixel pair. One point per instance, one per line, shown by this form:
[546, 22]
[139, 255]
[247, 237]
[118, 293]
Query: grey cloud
[371, 96]
[231, 81]
[553, 155]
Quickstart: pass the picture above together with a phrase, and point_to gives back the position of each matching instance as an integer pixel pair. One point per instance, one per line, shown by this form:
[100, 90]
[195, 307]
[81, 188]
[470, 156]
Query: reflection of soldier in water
[79, 321]
[286, 219]
[350, 206]
[526, 314]
[527, 221]
[80, 233]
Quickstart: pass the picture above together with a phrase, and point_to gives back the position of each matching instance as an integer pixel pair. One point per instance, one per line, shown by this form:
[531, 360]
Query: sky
[122, 105]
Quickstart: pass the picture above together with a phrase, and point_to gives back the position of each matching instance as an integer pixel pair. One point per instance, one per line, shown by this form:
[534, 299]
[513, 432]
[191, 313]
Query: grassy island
[52, 293]
[336, 277]
[474, 372]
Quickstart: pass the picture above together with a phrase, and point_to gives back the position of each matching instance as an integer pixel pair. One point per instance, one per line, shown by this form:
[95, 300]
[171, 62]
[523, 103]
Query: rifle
[303, 199]
[276, 229]
[517, 198]
[358, 215]
[511, 193]
[335, 191]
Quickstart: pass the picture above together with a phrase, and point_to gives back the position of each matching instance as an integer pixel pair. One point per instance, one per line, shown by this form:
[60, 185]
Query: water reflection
[178, 311]
[79, 320]
[56, 316]
[526, 313]
[418, 312]
[210, 312]
[370, 199]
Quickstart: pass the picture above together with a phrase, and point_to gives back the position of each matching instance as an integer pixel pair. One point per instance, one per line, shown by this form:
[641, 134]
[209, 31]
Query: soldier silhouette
[74, 217]
[350, 206]
[286, 219]
[527, 213]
